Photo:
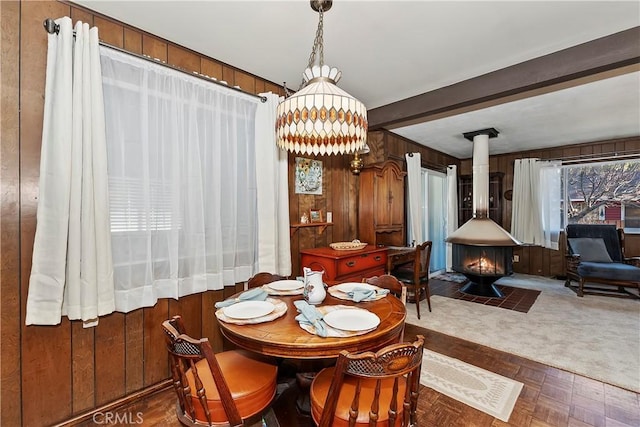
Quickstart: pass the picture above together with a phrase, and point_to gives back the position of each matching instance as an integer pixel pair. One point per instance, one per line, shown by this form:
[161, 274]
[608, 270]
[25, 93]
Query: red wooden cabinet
[346, 266]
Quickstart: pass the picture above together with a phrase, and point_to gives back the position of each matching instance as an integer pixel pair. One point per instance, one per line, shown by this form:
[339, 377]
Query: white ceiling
[392, 50]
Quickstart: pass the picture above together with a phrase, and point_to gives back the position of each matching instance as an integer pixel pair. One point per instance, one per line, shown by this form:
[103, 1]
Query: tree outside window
[604, 193]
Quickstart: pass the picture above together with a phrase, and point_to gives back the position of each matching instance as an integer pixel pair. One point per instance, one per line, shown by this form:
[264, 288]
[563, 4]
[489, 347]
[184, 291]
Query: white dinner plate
[349, 286]
[350, 319]
[249, 309]
[285, 285]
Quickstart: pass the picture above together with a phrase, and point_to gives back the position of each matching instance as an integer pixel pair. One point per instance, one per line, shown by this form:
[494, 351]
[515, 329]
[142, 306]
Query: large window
[181, 166]
[603, 193]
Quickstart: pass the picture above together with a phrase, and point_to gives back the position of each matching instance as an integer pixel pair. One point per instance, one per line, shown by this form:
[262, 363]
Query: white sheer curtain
[536, 187]
[182, 179]
[452, 209]
[551, 202]
[414, 191]
[272, 170]
[526, 219]
[71, 273]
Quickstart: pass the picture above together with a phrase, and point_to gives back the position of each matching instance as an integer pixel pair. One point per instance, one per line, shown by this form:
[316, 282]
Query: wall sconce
[357, 163]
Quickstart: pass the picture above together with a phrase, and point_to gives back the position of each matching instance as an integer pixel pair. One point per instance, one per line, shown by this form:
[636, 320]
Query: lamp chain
[317, 43]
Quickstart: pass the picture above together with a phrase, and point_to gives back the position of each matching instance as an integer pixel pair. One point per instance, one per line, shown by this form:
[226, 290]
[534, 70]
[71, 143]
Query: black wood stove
[482, 250]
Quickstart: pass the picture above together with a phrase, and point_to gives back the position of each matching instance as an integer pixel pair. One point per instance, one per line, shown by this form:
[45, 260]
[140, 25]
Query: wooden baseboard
[116, 404]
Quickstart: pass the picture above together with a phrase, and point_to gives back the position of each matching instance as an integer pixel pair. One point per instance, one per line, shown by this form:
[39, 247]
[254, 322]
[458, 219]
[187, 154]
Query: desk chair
[416, 275]
[224, 389]
[364, 389]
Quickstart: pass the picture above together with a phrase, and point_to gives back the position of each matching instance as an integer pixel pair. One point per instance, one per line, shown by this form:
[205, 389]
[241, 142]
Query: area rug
[593, 336]
[483, 390]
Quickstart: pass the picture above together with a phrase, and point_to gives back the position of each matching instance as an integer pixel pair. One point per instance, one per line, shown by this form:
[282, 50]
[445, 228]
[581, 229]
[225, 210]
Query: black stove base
[488, 290]
[481, 284]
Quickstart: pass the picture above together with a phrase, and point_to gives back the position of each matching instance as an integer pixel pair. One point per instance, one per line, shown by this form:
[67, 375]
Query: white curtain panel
[551, 202]
[414, 190]
[526, 217]
[272, 170]
[182, 176]
[452, 209]
[71, 273]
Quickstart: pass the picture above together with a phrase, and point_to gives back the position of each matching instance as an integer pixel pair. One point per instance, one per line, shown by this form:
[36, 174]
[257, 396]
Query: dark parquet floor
[550, 397]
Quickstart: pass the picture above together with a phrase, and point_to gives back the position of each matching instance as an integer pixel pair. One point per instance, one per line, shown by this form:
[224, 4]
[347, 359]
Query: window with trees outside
[604, 193]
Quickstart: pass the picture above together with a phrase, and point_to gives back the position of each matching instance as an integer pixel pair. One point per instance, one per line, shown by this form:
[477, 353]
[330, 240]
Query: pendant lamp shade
[321, 118]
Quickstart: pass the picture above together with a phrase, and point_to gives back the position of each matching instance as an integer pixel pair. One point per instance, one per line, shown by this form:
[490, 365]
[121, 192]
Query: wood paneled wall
[340, 190]
[534, 259]
[51, 373]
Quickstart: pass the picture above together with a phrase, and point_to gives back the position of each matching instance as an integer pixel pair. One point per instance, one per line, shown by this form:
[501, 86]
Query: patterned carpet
[596, 337]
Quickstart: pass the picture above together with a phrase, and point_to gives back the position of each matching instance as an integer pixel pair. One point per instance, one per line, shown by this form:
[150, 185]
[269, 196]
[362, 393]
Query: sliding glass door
[434, 217]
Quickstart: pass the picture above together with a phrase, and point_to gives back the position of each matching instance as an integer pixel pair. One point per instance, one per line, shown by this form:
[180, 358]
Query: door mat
[451, 277]
[483, 390]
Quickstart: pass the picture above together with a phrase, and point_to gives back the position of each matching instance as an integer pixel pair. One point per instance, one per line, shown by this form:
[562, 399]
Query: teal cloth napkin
[311, 316]
[364, 294]
[255, 294]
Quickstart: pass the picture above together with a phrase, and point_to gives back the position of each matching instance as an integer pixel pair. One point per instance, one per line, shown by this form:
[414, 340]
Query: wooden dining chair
[395, 287]
[387, 281]
[224, 389]
[369, 389]
[262, 279]
[416, 275]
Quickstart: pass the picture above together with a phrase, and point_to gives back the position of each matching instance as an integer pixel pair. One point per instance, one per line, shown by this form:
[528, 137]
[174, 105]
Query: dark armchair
[596, 255]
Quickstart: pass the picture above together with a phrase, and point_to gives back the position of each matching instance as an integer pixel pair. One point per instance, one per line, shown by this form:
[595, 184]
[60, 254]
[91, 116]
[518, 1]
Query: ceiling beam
[597, 56]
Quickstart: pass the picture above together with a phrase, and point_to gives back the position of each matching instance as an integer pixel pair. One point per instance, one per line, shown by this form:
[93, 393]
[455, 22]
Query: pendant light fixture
[321, 118]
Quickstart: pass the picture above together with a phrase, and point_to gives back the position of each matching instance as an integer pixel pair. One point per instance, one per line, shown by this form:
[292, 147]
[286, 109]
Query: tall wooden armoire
[381, 218]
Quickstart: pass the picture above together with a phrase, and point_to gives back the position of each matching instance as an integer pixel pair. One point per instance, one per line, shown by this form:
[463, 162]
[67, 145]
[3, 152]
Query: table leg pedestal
[303, 402]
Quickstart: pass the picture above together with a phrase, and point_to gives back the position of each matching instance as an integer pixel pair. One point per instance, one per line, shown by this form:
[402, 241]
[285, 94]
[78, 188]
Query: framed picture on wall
[308, 179]
[315, 215]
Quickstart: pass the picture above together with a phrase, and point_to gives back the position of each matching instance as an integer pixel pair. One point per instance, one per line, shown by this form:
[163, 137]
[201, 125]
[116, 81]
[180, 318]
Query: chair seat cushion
[609, 270]
[403, 274]
[406, 276]
[252, 383]
[320, 389]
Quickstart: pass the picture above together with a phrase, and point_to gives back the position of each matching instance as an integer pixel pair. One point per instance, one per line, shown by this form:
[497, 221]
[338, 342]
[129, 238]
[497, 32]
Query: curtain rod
[51, 27]
[613, 155]
[423, 163]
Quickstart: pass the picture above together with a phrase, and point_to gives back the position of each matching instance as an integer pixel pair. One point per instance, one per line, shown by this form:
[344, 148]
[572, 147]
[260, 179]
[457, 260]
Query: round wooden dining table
[283, 337]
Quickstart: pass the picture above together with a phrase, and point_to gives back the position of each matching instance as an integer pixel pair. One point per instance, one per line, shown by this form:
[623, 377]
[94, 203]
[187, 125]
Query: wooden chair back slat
[395, 361]
[185, 352]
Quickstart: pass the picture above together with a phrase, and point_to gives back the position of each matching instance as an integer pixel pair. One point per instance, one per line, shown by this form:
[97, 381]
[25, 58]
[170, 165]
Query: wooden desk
[283, 337]
[397, 256]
